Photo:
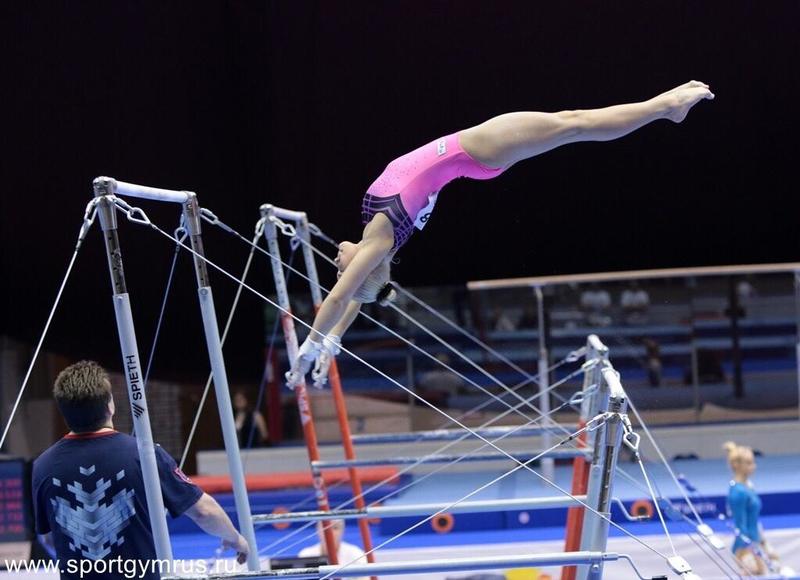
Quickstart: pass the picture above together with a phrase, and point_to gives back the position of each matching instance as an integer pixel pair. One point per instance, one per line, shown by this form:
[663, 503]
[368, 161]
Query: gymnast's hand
[306, 356]
[679, 100]
[331, 346]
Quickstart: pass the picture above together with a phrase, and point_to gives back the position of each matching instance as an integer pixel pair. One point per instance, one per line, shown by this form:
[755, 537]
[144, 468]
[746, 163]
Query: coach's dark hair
[82, 392]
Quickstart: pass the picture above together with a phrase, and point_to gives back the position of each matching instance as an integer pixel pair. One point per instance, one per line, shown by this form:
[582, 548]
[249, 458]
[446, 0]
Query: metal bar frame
[133, 371]
[607, 441]
[548, 465]
[191, 217]
[300, 390]
[596, 353]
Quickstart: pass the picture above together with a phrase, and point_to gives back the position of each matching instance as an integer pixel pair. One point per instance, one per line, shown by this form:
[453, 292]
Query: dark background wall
[302, 104]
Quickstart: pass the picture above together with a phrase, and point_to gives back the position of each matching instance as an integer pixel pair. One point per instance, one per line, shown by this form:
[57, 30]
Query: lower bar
[452, 434]
[565, 454]
[423, 509]
[469, 564]
[423, 566]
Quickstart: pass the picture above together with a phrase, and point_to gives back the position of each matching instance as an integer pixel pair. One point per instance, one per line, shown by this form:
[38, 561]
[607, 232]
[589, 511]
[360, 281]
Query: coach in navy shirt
[88, 492]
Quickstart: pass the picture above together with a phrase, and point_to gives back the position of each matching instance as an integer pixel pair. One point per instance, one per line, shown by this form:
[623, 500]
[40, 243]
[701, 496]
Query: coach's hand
[240, 546]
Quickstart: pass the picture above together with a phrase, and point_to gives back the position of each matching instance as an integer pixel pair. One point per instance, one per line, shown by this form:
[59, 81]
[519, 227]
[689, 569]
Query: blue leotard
[744, 506]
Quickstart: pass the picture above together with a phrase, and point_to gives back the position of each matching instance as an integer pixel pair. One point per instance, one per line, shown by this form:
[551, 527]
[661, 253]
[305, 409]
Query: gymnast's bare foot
[679, 100]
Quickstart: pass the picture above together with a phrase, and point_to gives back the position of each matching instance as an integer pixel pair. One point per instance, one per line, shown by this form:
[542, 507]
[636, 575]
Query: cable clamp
[631, 439]
[260, 225]
[315, 230]
[286, 229]
[576, 354]
[598, 421]
[137, 215]
[679, 565]
[590, 364]
[209, 216]
[706, 531]
[134, 214]
[89, 216]
[180, 233]
[578, 398]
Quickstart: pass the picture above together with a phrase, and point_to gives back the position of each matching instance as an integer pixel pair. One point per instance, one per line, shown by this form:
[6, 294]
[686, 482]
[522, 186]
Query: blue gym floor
[777, 480]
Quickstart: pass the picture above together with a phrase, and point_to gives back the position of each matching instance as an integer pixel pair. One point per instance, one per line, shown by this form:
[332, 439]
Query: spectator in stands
[745, 289]
[653, 357]
[595, 304]
[745, 292]
[440, 381]
[461, 307]
[744, 506]
[94, 471]
[345, 552]
[502, 321]
[635, 303]
[529, 319]
[251, 428]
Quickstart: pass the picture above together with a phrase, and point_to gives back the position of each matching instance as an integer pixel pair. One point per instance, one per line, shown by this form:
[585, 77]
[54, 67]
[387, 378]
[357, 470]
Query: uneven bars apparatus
[302, 230]
[604, 457]
[615, 405]
[104, 189]
[608, 398]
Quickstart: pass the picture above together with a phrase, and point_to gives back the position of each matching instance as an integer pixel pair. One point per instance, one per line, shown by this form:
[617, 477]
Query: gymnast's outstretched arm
[335, 306]
[507, 139]
[338, 310]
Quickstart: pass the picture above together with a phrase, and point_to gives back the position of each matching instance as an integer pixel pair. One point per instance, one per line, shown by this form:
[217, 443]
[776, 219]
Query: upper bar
[112, 186]
[633, 275]
[520, 457]
[452, 434]
[284, 214]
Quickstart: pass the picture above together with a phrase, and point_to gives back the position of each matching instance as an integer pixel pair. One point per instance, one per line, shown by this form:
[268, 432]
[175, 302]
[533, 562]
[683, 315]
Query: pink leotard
[406, 190]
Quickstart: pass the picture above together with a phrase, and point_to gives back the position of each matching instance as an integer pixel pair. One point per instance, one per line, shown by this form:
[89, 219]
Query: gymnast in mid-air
[402, 198]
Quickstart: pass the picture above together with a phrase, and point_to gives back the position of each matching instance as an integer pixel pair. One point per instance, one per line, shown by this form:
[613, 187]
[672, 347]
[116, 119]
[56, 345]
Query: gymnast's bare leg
[506, 139]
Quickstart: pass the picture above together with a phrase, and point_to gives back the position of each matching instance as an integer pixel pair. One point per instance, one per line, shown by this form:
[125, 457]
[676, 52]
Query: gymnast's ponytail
[377, 287]
[734, 452]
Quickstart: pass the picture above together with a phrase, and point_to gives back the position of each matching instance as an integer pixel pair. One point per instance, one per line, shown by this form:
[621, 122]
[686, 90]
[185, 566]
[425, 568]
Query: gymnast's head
[740, 458]
[375, 247]
[377, 286]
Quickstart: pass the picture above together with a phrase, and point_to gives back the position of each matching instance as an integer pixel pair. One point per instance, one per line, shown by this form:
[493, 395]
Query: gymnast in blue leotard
[744, 507]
